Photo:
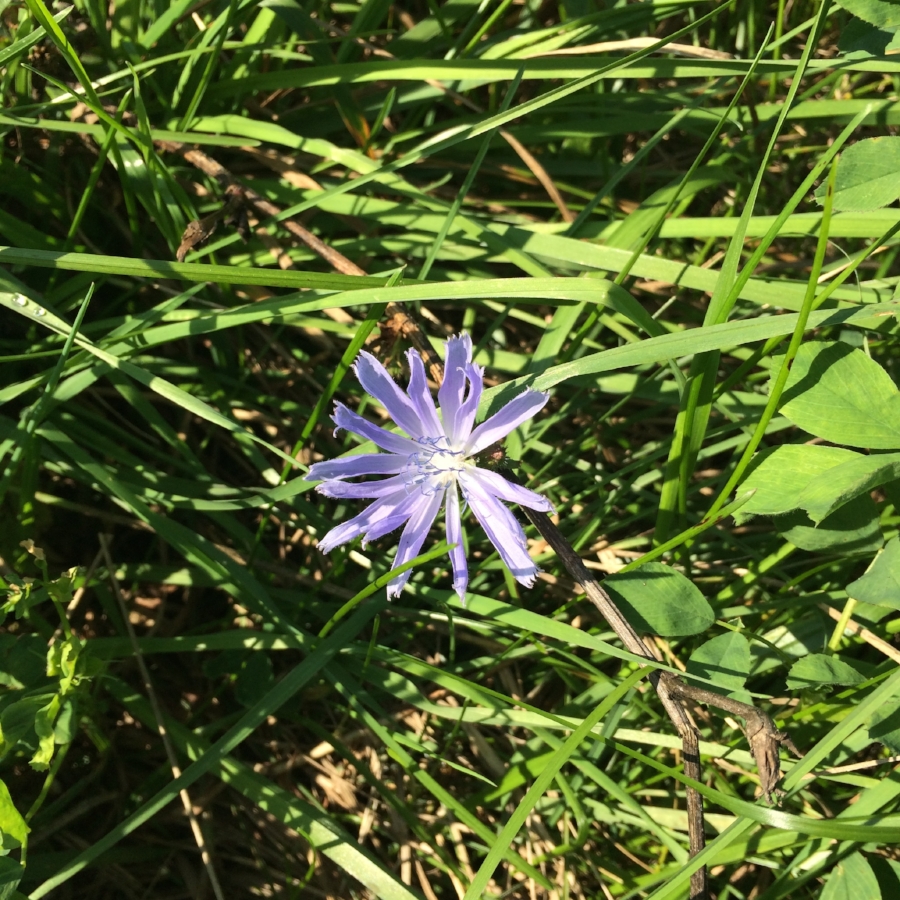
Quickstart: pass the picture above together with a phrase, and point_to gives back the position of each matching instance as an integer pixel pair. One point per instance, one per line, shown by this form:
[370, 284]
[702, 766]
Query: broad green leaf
[656, 599]
[17, 720]
[887, 871]
[23, 660]
[853, 528]
[868, 175]
[839, 394]
[781, 476]
[884, 726]
[817, 669]
[724, 660]
[44, 722]
[11, 821]
[829, 491]
[852, 879]
[10, 873]
[880, 586]
[860, 39]
[65, 728]
[883, 13]
[795, 639]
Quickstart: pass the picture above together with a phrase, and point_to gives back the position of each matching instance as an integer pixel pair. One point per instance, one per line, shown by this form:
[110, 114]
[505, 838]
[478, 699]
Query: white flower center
[434, 467]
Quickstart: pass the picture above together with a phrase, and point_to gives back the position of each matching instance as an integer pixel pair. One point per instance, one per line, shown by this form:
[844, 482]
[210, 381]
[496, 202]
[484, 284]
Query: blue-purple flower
[426, 467]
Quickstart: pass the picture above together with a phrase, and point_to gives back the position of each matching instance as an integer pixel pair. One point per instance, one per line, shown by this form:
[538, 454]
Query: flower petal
[366, 489]
[465, 414]
[393, 443]
[452, 391]
[360, 464]
[502, 528]
[421, 397]
[499, 425]
[454, 536]
[376, 381]
[394, 519]
[366, 520]
[496, 484]
[413, 537]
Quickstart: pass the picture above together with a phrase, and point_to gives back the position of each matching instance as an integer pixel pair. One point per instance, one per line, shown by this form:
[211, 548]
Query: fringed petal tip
[396, 585]
[364, 354]
[334, 417]
[525, 578]
[463, 339]
[312, 474]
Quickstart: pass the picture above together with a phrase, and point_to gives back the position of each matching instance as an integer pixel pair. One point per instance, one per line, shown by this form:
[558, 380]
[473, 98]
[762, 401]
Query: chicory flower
[426, 467]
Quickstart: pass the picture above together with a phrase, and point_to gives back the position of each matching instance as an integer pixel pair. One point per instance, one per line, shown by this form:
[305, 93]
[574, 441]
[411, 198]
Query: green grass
[422, 749]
